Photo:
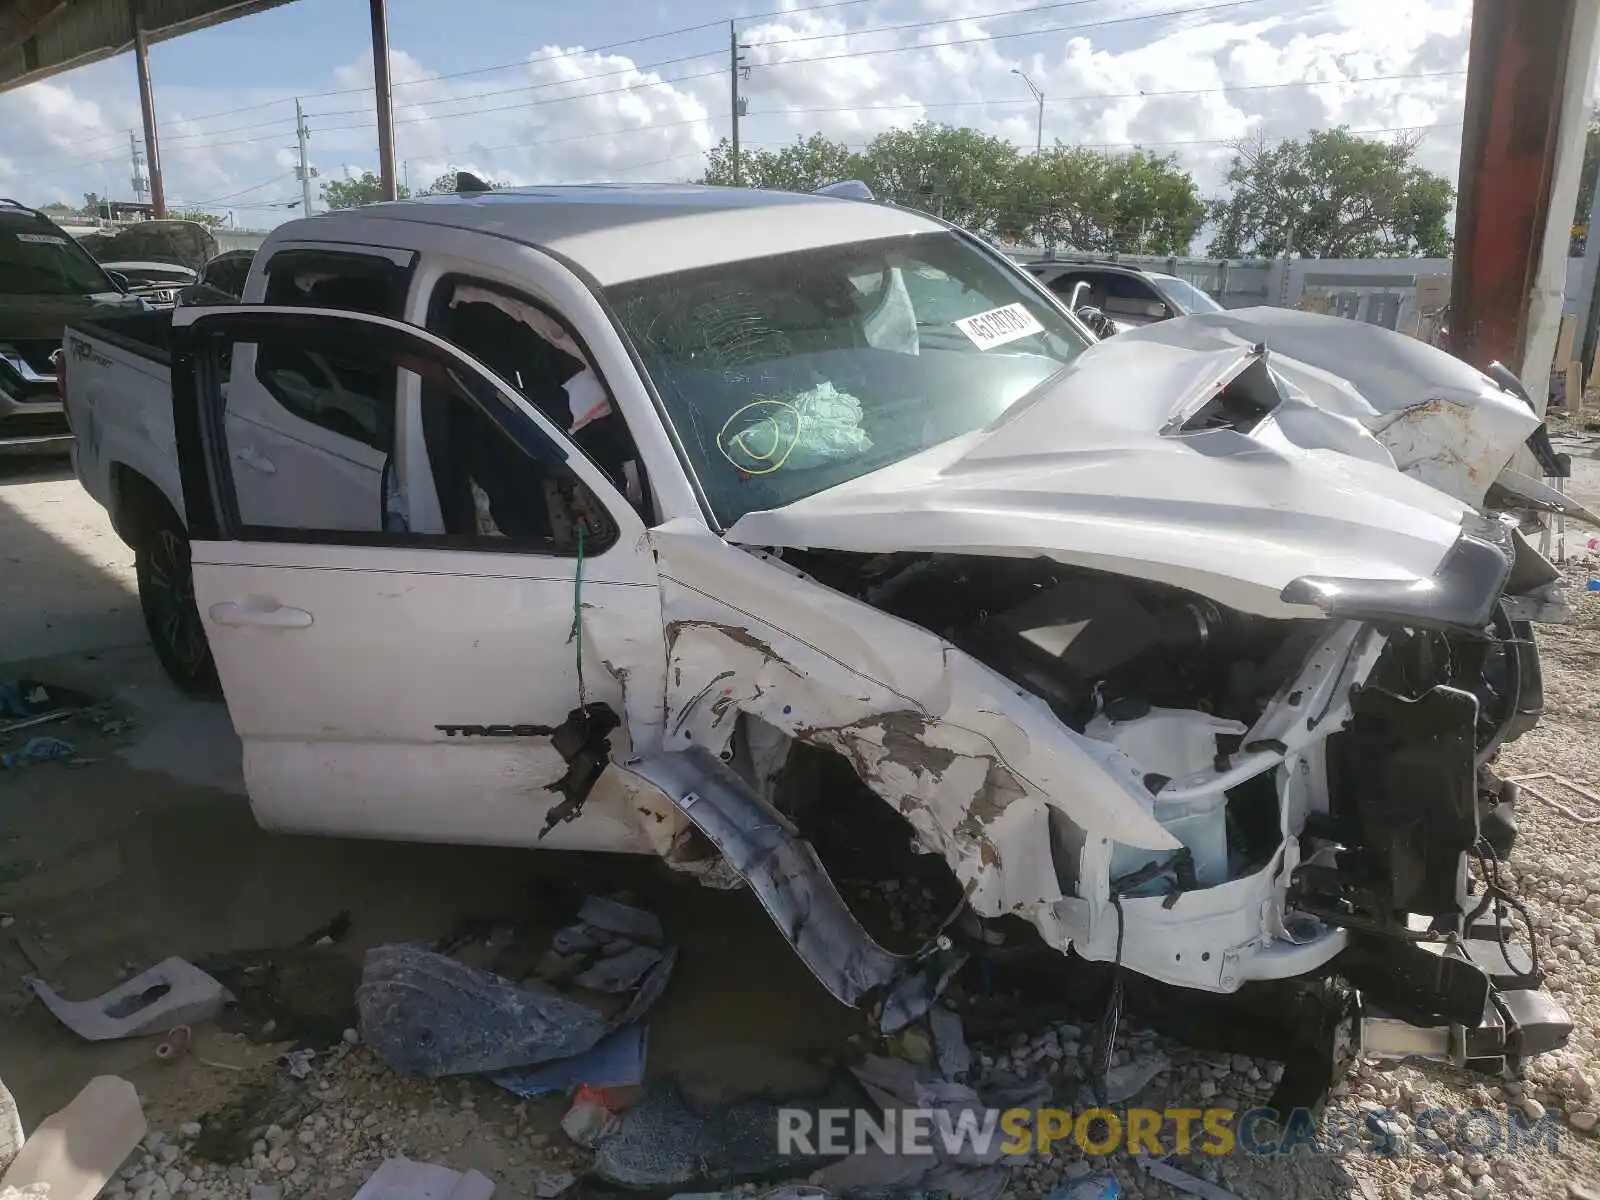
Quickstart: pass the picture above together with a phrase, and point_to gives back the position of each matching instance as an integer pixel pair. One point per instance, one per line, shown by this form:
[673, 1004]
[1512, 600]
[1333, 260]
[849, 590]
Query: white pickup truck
[714, 524]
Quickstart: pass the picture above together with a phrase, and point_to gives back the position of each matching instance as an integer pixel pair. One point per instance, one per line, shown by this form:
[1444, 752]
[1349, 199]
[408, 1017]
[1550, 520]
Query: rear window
[37, 259]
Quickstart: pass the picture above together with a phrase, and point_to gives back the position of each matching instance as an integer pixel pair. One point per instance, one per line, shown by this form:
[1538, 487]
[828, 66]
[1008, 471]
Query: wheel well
[138, 506]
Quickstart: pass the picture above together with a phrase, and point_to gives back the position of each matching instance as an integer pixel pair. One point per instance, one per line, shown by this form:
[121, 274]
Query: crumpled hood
[1441, 420]
[1083, 473]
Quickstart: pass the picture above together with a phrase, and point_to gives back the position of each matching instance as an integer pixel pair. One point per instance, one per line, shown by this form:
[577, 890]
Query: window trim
[199, 427]
[439, 301]
[341, 256]
[396, 277]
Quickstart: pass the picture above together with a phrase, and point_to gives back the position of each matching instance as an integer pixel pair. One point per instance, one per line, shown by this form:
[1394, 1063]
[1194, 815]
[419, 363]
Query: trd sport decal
[507, 731]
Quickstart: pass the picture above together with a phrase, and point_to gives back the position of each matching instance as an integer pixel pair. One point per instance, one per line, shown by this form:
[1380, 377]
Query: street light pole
[1038, 145]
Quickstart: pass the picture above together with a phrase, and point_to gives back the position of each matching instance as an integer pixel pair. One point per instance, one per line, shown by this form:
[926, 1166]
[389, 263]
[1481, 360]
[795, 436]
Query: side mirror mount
[1099, 324]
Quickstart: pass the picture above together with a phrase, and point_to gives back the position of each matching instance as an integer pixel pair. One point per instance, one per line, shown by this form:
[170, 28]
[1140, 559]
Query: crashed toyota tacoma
[1189, 652]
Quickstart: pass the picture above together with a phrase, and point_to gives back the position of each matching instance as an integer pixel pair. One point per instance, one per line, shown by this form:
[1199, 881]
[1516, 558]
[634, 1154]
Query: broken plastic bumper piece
[1461, 594]
[1513, 1019]
[781, 868]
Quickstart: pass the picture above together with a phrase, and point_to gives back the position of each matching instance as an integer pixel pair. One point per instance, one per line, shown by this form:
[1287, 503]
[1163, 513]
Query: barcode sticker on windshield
[999, 326]
[42, 239]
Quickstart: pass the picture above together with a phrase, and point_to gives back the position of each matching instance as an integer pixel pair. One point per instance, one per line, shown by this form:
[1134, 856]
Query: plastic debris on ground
[173, 992]
[550, 1184]
[1127, 1081]
[1183, 1181]
[949, 1043]
[11, 1136]
[616, 1060]
[426, 1012]
[38, 750]
[30, 700]
[74, 1153]
[667, 1140]
[591, 1119]
[402, 1179]
[1102, 1185]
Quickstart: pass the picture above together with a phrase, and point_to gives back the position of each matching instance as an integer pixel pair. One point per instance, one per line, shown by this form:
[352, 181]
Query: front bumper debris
[761, 845]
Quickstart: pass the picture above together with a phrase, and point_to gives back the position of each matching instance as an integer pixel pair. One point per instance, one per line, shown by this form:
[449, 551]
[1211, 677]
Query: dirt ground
[147, 849]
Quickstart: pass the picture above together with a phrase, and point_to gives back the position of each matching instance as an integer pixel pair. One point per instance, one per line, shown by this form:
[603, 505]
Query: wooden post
[1575, 390]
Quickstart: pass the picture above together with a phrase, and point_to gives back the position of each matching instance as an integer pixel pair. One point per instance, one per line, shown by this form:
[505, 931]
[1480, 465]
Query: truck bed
[144, 334]
[119, 400]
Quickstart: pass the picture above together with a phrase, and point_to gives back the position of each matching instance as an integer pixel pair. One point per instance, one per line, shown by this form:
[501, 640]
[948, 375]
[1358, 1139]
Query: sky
[535, 91]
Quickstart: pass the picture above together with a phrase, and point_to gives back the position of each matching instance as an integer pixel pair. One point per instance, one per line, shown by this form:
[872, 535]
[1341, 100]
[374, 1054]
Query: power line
[430, 116]
[1057, 4]
[535, 87]
[1154, 16]
[240, 192]
[900, 27]
[525, 62]
[415, 120]
[1206, 91]
[1142, 142]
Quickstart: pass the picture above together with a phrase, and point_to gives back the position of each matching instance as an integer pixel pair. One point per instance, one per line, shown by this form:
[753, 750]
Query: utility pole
[141, 182]
[736, 102]
[147, 109]
[304, 169]
[1038, 144]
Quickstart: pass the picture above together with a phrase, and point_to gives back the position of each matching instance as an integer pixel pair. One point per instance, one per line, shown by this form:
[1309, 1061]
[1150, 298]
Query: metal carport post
[380, 83]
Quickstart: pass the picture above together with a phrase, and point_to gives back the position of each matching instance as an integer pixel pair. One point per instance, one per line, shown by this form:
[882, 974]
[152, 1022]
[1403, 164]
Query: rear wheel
[166, 595]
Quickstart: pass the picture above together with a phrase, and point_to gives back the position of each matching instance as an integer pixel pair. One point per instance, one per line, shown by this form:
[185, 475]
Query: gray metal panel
[86, 31]
[1334, 279]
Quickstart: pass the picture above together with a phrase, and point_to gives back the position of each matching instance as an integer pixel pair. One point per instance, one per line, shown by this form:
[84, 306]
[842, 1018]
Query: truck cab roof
[619, 233]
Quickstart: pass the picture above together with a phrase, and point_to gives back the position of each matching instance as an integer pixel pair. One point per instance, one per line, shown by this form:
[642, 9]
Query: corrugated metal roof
[40, 38]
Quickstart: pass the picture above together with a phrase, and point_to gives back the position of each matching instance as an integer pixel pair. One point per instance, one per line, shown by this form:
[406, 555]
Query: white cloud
[567, 113]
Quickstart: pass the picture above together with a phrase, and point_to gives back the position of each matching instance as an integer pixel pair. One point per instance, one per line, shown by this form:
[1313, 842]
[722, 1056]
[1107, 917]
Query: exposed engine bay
[1406, 796]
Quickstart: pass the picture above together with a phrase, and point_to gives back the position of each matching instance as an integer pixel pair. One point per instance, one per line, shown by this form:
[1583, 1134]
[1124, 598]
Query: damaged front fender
[973, 762]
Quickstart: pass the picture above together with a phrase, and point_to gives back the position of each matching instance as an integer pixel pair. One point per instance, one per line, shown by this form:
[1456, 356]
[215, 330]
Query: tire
[166, 596]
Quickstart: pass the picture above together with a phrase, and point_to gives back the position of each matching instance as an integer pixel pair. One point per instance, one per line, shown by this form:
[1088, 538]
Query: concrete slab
[66, 579]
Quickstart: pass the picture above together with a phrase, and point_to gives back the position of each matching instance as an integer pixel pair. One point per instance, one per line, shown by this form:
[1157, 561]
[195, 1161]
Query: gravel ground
[331, 1130]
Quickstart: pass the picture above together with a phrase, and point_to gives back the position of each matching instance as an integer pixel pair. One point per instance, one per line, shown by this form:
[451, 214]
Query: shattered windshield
[790, 374]
[37, 260]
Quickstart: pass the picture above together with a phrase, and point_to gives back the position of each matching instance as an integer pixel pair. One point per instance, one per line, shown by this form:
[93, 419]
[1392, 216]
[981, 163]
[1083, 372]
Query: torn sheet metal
[971, 761]
[793, 886]
[1443, 422]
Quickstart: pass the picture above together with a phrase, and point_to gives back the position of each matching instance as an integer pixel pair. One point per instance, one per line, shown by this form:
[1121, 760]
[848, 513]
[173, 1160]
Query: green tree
[962, 175]
[806, 165]
[365, 188]
[209, 220]
[57, 209]
[1136, 203]
[1066, 196]
[92, 205]
[1333, 195]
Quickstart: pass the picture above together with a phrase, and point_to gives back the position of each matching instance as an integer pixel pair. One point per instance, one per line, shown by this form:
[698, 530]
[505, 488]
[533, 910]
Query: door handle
[251, 457]
[266, 614]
